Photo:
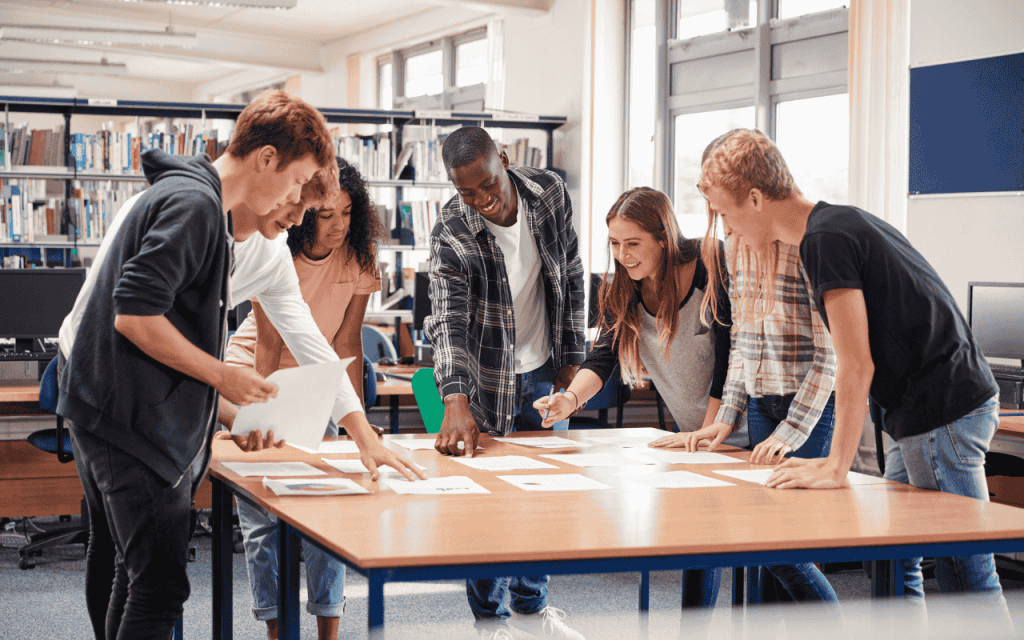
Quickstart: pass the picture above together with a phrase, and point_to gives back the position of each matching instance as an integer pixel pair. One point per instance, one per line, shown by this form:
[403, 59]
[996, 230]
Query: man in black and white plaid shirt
[506, 323]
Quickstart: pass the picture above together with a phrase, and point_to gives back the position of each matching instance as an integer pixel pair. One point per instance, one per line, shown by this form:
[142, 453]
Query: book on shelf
[28, 215]
[369, 154]
[521, 154]
[419, 217]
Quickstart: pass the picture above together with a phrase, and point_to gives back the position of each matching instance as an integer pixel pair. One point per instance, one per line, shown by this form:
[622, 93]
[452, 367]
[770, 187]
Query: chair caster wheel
[25, 563]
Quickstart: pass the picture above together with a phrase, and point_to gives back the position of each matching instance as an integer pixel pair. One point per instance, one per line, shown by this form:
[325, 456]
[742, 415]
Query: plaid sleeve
[817, 385]
[734, 393]
[573, 338]
[446, 326]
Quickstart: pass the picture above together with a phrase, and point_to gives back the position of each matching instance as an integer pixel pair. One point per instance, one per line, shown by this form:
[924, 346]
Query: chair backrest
[428, 400]
[377, 344]
[48, 388]
[609, 396]
[369, 384]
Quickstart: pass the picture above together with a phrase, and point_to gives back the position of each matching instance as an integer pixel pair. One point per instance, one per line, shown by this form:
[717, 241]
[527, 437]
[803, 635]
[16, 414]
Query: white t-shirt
[264, 270]
[523, 267]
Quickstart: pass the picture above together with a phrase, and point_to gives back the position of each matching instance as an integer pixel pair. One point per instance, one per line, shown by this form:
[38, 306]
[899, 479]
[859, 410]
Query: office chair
[369, 384]
[56, 441]
[377, 345]
[428, 399]
[613, 394]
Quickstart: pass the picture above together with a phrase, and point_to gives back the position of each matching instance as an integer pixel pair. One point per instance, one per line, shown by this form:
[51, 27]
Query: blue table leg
[645, 601]
[394, 414]
[288, 585]
[222, 572]
[376, 598]
[737, 586]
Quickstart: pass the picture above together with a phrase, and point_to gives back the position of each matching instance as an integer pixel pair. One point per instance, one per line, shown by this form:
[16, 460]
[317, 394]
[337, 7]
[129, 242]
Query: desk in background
[394, 389]
[390, 537]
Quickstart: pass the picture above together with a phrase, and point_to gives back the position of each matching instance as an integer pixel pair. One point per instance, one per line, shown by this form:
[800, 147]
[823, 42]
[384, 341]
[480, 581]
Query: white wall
[967, 237]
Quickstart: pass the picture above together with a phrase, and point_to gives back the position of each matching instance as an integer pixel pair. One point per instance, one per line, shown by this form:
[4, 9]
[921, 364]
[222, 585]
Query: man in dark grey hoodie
[140, 386]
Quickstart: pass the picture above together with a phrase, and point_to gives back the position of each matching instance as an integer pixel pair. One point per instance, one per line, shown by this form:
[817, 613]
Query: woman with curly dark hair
[335, 257]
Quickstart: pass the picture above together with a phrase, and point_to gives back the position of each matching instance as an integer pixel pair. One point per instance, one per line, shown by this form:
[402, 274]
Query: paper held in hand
[299, 413]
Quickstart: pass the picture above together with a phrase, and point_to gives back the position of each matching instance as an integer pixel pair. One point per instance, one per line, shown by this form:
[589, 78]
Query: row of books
[521, 154]
[371, 155]
[28, 215]
[36, 147]
[419, 217]
[120, 152]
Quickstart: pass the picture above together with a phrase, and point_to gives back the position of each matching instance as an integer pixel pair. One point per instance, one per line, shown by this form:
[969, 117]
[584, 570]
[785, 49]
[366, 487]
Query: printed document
[423, 444]
[299, 413]
[504, 463]
[673, 480]
[446, 486]
[247, 469]
[555, 482]
[332, 446]
[303, 487]
[598, 459]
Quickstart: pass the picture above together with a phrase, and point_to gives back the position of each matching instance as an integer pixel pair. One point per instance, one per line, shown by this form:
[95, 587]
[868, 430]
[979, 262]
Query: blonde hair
[736, 162]
[651, 211]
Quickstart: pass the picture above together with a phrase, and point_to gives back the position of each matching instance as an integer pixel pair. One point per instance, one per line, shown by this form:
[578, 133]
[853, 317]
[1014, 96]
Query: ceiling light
[93, 36]
[23, 65]
[249, 4]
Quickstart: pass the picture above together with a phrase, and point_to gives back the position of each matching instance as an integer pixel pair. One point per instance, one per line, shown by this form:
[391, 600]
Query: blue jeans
[527, 594]
[800, 582]
[325, 576]
[951, 458]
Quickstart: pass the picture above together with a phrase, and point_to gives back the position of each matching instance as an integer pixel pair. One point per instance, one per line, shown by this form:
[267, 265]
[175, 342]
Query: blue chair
[613, 394]
[377, 345]
[56, 441]
[369, 384]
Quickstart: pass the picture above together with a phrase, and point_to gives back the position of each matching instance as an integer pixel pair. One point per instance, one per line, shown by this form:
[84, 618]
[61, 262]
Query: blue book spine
[78, 142]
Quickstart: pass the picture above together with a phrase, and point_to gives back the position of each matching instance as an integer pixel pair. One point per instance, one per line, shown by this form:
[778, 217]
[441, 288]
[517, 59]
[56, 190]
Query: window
[448, 74]
[814, 135]
[794, 8]
[728, 68]
[693, 133]
[700, 17]
[642, 84]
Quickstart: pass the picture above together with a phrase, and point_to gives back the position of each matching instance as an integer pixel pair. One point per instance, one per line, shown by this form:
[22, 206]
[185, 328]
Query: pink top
[327, 285]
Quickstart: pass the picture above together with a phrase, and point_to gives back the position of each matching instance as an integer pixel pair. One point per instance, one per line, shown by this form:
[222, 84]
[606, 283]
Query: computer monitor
[35, 302]
[995, 311]
[420, 300]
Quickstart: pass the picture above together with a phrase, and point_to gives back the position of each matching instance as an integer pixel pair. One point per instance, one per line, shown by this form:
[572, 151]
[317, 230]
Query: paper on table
[357, 466]
[636, 437]
[598, 459]
[447, 485]
[548, 442]
[555, 482]
[686, 457]
[332, 446]
[760, 476]
[674, 480]
[504, 463]
[302, 487]
[423, 444]
[299, 413]
[247, 469]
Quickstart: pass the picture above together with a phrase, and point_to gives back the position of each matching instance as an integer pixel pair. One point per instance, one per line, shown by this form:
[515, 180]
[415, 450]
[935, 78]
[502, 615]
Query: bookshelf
[379, 171]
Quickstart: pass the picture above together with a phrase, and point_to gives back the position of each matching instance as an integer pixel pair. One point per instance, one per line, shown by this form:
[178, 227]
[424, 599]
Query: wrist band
[575, 397]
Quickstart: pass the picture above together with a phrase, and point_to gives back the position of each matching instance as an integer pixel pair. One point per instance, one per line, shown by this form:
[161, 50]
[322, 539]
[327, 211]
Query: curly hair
[365, 230]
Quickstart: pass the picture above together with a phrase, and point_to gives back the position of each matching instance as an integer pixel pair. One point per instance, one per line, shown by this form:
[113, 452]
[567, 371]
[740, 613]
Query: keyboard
[1007, 370]
[16, 356]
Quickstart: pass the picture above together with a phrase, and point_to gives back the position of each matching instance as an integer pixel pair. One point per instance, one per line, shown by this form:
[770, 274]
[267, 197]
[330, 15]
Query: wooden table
[395, 388]
[389, 537]
[26, 391]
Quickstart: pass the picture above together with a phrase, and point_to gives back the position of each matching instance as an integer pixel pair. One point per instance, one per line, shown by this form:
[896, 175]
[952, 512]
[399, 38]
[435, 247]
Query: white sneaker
[501, 633]
[546, 623]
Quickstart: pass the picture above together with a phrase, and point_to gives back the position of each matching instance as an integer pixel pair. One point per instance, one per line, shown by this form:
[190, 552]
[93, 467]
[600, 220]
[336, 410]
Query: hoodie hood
[158, 165]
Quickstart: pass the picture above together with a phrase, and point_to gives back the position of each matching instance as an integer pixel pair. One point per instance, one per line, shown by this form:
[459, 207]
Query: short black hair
[465, 145]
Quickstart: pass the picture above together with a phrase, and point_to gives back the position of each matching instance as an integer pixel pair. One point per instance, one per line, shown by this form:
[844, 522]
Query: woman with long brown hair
[651, 325]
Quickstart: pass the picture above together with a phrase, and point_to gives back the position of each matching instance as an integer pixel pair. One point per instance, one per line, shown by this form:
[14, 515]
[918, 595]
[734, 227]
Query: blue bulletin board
[967, 126]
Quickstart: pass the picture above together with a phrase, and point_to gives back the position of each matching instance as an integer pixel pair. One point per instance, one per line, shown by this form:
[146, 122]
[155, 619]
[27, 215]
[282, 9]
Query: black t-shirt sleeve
[832, 261]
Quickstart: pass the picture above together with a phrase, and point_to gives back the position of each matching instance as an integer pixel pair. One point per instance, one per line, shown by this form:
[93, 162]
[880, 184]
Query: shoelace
[552, 617]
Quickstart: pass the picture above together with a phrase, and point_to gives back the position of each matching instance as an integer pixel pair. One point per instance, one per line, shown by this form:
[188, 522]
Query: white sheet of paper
[357, 466]
[319, 487]
[555, 482]
[422, 444]
[333, 446]
[673, 480]
[637, 437]
[548, 442]
[446, 486]
[247, 469]
[299, 413]
[670, 456]
[598, 459]
[760, 476]
[504, 463]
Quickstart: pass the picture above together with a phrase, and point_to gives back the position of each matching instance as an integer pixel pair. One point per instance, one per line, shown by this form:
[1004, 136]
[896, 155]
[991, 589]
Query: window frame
[451, 95]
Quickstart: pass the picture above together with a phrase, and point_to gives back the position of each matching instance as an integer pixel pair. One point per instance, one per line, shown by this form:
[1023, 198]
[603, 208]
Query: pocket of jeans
[969, 449]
